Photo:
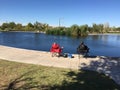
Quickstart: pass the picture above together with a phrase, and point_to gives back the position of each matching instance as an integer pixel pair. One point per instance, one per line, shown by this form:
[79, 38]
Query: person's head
[82, 42]
[54, 43]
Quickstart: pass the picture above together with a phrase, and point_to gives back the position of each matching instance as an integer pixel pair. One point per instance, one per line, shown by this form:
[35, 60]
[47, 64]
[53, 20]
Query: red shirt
[56, 48]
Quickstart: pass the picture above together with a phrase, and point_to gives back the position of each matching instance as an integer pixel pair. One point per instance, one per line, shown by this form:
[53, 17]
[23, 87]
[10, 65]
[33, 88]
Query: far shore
[110, 33]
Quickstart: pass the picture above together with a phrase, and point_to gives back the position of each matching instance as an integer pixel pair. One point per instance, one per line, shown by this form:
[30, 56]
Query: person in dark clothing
[82, 49]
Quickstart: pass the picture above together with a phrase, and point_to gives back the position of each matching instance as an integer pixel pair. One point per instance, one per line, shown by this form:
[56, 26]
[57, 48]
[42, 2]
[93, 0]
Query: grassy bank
[19, 76]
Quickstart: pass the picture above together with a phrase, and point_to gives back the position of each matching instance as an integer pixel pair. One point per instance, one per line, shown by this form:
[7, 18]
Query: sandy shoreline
[107, 65]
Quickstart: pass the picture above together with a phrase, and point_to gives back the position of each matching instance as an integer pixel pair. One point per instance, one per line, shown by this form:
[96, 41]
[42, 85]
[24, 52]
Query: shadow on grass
[88, 80]
[20, 82]
[107, 65]
[84, 79]
[25, 82]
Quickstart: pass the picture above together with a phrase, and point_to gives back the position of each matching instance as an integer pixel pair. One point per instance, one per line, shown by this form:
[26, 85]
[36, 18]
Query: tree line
[74, 30]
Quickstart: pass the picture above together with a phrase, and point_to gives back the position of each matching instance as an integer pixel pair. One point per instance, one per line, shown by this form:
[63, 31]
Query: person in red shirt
[56, 49]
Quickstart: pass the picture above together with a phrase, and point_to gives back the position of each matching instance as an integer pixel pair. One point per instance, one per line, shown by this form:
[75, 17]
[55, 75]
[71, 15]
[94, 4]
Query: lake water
[103, 45]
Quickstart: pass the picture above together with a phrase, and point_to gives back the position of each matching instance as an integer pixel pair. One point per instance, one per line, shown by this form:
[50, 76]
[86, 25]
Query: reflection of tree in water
[100, 37]
[95, 37]
[118, 37]
[105, 38]
[37, 39]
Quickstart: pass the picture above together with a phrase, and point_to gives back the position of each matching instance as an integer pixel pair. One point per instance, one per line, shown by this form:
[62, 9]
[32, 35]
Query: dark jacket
[82, 49]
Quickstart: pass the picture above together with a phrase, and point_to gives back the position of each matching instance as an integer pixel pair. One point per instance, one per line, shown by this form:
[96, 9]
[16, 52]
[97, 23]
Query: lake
[102, 45]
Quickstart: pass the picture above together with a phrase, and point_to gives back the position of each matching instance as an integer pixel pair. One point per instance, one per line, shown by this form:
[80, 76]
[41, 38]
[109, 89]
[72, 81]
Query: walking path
[109, 66]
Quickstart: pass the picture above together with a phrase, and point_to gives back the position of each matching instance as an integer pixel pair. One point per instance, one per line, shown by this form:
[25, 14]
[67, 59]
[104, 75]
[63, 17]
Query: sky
[67, 12]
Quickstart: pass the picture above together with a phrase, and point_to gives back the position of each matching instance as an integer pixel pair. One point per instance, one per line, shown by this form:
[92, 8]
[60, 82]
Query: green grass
[19, 76]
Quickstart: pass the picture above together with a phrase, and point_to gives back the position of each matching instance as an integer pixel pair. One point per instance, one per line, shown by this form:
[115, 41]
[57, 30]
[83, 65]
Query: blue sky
[69, 12]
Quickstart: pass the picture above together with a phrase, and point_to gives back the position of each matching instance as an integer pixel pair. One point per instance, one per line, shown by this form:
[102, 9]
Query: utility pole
[60, 21]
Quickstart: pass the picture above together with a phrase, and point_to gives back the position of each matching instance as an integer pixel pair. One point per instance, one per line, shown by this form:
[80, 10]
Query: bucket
[70, 55]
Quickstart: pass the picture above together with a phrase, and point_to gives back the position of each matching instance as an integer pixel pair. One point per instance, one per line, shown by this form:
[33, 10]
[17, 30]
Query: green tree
[37, 26]
[40, 27]
[11, 25]
[5, 26]
[74, 30]
[83, 31]
[100, 27]
[19, 27]
[106, 27]
[44, 27]
[68, 32]
[29, 27]
[95, 28]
